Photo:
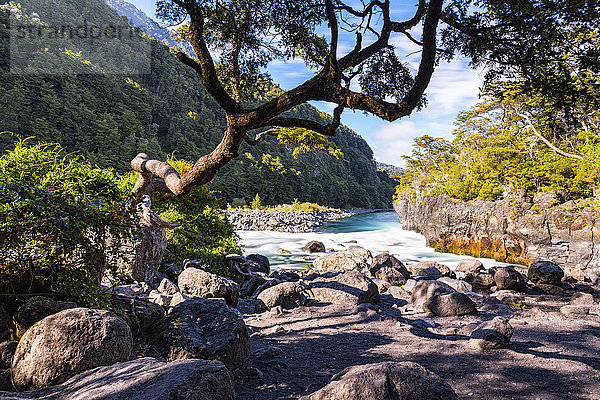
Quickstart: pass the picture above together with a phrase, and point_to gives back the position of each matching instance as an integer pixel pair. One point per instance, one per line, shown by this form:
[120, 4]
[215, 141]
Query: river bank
[513, 229]
[288, 221]
[423, 329]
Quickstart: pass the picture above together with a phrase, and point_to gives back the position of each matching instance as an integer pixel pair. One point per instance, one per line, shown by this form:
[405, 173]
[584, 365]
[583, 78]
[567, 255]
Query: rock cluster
[284, 221]
[191, 321]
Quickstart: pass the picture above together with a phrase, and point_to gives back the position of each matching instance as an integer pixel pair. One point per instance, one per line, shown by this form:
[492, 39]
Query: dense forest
[109, 118]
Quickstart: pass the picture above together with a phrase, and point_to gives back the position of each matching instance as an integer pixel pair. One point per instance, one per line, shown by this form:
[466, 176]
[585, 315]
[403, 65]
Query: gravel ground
[550, 357]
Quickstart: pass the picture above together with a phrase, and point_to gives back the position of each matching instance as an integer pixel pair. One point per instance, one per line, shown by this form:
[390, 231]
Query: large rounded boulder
[206, 329]
[545, 272]
[468, 266]
[450, 304]
[286, 295]
[314, 247]
[348, 288]
[197, 282]
[480, 280]
[352, 258]
[426, 289]
[145, 379]
[431, 270]
[492, 334]
[388, 268]
[383, 381]
[67, 343]
[510, 279]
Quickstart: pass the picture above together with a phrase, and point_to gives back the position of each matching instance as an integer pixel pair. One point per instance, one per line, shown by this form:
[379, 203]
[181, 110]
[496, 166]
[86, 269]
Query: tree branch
[333, 26]
[205, 66]
[258, 137]
[201, 173]
[543, 139]
[325, 130]
[393, 111]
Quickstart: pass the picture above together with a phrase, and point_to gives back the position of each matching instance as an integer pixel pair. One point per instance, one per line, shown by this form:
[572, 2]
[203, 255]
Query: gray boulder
[37, 308]
[350, 288]
[142, 316]
[314, 247]
[167, 300]
[398, 292]
[167, 287]
[352, 258]
[360, 254]
[467, 266]
[509, 297]
[492, 334]
[197, 282]
[426, 269]
[509, 278]
[426, 289]
[385, 381]
[545, 272]
[67, 343]
[450, 304]
[575, 310]
[143, 379]
[132, 289]
[388, 268]
[287, 295]
[458, 285]
[480, 280]
[582, 299]
[206, 329]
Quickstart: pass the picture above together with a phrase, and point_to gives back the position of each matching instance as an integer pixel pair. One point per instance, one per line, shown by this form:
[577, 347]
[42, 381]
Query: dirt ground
[550, 357]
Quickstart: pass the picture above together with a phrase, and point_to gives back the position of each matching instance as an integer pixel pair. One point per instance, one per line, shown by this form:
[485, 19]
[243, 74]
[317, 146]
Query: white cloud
[394, 140]
[454, 87]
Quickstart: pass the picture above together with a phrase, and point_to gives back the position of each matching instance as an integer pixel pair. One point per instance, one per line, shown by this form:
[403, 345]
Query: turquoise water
[377, 232]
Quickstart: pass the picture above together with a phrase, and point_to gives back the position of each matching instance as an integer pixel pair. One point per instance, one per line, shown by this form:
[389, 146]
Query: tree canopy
[543, 43]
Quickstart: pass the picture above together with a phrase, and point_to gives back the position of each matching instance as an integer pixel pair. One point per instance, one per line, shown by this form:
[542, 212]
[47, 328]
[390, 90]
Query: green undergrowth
[501, 146]
[56, 212]
[204, 233]
[62, 222]
[295, 206]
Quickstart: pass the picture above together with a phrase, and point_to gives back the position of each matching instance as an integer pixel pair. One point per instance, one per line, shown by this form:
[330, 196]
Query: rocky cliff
[514, 230]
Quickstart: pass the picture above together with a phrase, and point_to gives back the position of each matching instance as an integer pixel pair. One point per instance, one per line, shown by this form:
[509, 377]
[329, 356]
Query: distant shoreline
[290, 221]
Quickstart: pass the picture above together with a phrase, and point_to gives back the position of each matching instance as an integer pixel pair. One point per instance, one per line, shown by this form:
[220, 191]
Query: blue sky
[453, 88]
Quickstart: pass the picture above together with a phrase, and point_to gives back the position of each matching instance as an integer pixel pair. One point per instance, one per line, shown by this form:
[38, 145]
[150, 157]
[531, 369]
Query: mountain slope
[138, 18]
[110, 118]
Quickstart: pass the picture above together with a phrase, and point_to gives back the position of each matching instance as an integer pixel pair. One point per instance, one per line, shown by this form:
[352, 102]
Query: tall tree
[245, 35]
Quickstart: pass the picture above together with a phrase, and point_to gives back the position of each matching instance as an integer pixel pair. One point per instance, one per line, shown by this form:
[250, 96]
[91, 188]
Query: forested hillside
[110, 118]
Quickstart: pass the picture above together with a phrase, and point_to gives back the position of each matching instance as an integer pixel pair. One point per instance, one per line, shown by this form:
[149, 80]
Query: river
[377, 232]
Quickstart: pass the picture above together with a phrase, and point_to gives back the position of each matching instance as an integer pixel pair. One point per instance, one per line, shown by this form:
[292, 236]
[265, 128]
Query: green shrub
[297, 206]
[56, 213]
[255, 204]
